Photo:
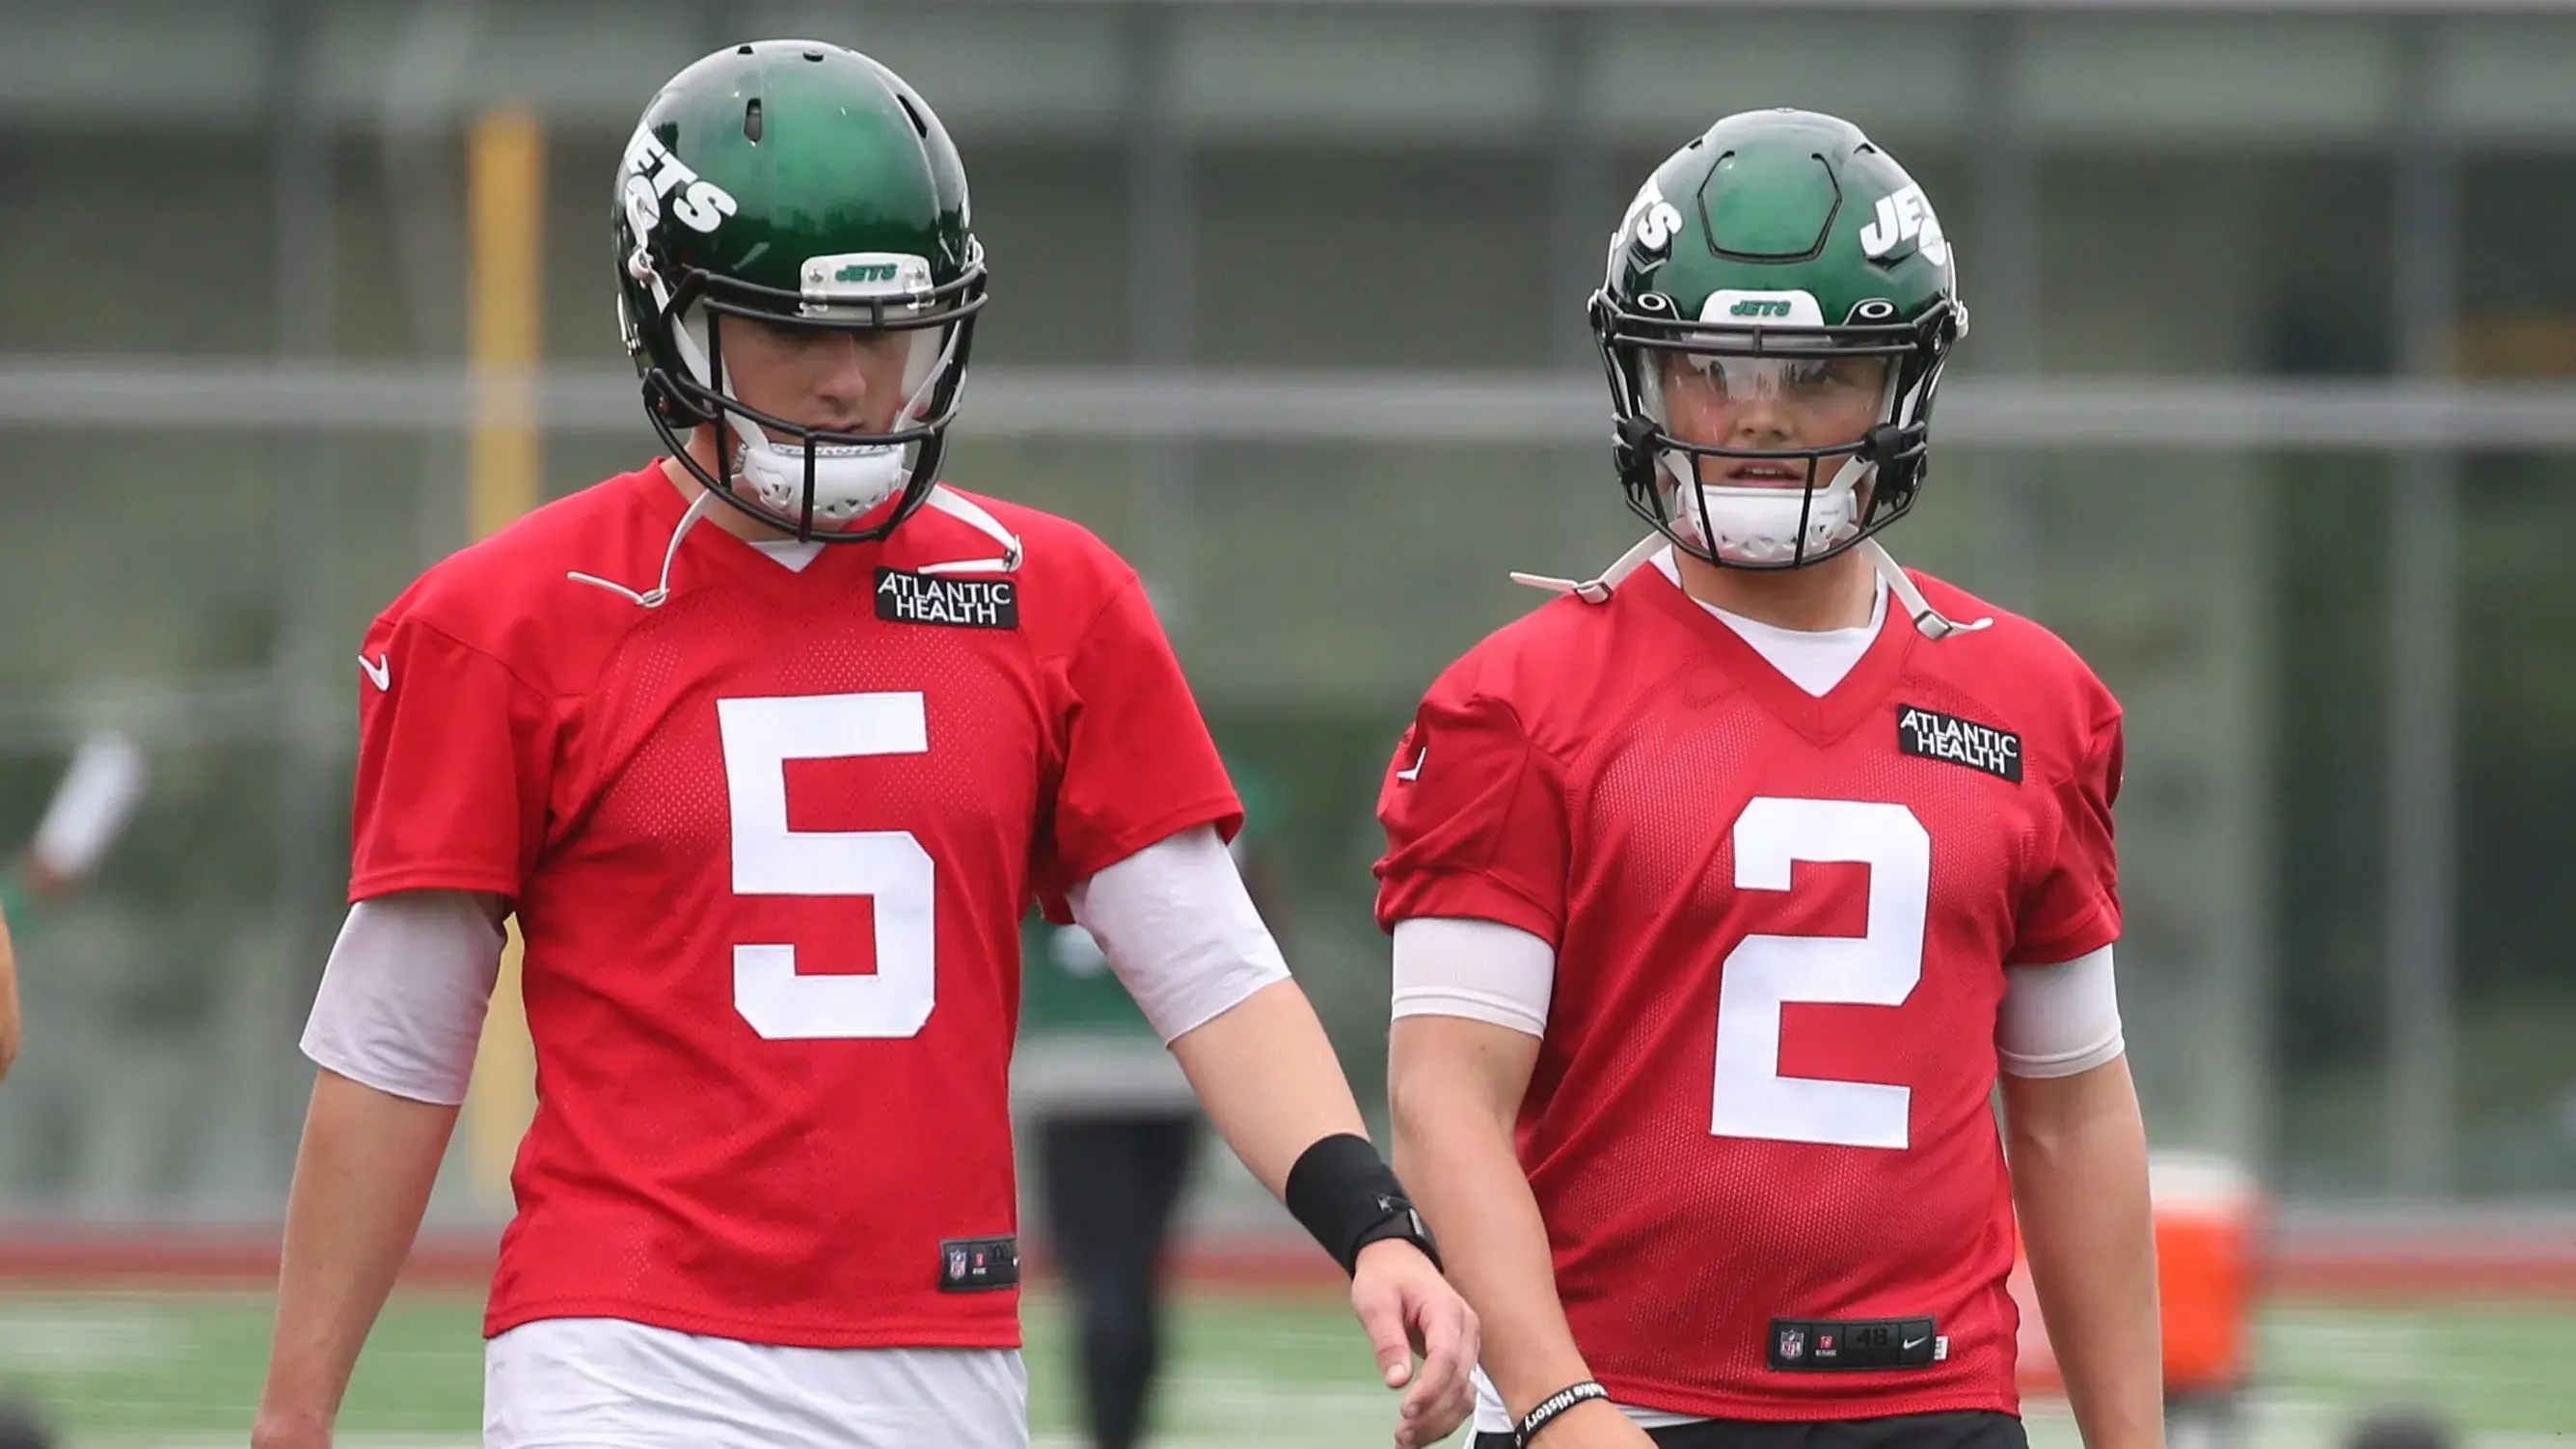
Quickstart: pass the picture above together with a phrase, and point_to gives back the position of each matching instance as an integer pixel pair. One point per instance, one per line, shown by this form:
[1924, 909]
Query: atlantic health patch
[907, 598]
[1937, 736]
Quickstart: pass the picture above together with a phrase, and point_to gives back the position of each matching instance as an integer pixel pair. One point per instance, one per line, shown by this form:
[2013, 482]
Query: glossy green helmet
[1781, 240]
[802, 185]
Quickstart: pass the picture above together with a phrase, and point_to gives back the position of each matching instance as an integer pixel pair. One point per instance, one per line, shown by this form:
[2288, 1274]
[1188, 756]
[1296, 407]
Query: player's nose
[841, 378]
[1761, 422]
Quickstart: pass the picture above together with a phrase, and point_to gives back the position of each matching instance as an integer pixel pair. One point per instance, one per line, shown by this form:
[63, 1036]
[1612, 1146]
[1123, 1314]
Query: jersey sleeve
[454, 753]
[2071, 908]
[1137, 763]
[1475, 820]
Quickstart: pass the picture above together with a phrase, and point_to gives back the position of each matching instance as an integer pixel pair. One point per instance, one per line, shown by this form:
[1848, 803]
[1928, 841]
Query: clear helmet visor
[1762, 460]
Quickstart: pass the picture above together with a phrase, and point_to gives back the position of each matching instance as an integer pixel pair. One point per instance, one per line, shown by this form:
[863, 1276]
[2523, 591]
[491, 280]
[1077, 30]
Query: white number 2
[1878, 969]
[889, 866]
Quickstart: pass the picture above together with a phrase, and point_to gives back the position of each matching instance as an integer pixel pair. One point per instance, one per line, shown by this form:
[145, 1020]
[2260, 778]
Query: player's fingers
[1428, 1420]
[1446, 1328]
[1381, 1315]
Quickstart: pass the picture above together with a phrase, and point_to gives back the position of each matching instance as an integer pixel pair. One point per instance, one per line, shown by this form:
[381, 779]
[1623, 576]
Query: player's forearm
[362, 1180]
[2079, 1167]
[1453, 1148]
[1267, 1076]
[10, 1026]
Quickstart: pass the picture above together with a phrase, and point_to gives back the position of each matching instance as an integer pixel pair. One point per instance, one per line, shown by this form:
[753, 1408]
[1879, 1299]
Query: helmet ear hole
[672, 403]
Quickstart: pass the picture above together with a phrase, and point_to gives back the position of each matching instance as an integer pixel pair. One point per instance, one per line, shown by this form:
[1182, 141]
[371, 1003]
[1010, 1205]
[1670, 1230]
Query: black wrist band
[1554, 1404]
[1346, 1195]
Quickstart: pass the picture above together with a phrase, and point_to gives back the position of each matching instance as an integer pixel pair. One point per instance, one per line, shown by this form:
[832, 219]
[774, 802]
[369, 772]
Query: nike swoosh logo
[1916, 1342]
[1415, 773]
[380, 670]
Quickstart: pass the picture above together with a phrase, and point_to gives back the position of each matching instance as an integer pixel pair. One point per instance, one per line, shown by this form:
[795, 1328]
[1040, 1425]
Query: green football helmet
[803, 186]
[1770, 254]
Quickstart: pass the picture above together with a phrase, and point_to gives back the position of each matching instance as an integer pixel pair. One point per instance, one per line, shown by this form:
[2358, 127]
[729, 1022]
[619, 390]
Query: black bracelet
[1346, 1195]
[1553, 1405]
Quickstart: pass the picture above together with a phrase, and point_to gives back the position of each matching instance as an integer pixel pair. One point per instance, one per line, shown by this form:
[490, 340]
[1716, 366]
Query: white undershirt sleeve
[1481, 970]
[2055, 1021]
[1180, 930]
[2059, 1020]
[401, 1003]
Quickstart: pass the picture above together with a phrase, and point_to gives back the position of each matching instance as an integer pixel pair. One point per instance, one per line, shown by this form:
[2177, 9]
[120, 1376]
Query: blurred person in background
[1722, 887]
[21, 1427]
[89, 809]
[2401, 1426]
[10, 1026]
[1117, 1133]
[769, 798]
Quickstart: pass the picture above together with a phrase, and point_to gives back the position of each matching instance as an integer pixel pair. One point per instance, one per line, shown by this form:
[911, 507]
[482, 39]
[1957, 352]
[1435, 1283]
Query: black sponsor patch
[904, 598]
[1937, 736]
[971, 1265]
[1827, 1345]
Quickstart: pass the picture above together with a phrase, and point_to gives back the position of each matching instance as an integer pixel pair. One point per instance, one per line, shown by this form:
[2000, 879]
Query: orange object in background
[2209, 1216]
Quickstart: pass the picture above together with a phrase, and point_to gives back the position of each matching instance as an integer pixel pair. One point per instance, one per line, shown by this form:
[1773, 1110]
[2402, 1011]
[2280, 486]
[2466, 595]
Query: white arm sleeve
[2056, 1021]
[1482, 970]
[1180, 930]
[2059, 1020]
[402, 1000]
[91, 805]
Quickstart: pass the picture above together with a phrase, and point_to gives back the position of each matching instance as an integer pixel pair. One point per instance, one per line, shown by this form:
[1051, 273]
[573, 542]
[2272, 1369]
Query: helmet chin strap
[660, 593]
[1596, 590]
[1794, 514]
[1930, 622]
[956, 505]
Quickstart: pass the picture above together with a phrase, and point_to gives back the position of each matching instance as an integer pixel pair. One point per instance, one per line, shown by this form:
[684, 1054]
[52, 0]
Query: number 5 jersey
[769, 836]
[1759, 1128]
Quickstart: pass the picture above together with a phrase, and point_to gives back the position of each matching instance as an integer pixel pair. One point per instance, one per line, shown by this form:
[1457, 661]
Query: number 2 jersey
[769, 844]
[1759, 1128]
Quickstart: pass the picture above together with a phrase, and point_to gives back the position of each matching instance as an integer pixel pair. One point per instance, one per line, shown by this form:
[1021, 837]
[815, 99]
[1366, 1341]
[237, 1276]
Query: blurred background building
[2269, 407]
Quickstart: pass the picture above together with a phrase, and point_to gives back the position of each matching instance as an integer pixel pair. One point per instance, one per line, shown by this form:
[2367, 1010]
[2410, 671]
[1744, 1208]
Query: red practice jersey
[1759, 1128]
[769, 844]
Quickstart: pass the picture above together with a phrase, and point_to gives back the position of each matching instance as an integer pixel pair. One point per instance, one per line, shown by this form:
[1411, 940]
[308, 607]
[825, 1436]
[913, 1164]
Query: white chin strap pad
[1761, 525]
[848, 481]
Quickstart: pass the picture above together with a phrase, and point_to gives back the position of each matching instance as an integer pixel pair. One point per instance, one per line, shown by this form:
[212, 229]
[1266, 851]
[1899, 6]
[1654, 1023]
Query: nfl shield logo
[957, 1262]
[1793, 1343]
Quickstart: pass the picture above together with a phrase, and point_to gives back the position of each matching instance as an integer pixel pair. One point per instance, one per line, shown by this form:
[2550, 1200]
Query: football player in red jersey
[767, 745]
[1723, 889]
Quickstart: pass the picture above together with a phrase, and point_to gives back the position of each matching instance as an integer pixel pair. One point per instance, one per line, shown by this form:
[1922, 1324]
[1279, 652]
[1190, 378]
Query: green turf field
[132, 1369]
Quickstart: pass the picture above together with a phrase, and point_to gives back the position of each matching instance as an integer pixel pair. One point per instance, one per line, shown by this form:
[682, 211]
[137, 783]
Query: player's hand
[1408, 1309]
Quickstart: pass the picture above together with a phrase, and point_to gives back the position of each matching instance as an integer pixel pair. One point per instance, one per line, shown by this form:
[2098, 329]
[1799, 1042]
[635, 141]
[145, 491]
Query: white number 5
[889, 866]
[1879, 969]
